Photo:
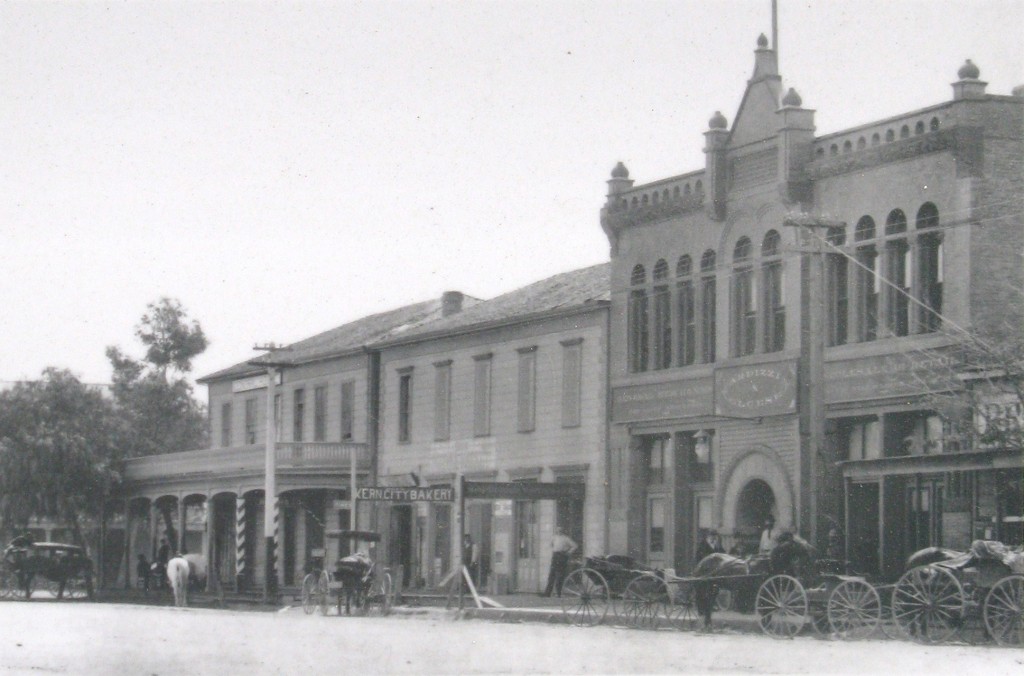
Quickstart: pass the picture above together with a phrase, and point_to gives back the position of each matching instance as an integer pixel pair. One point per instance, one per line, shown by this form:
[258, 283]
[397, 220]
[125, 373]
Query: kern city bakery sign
[757, 390]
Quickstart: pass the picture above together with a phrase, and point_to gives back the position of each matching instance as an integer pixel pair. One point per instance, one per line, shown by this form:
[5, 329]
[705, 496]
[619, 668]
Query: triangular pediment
[756, 119]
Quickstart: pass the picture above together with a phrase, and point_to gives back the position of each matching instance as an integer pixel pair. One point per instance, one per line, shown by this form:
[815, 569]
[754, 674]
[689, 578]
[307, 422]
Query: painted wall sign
[758, 390]
[252, 383]
[525, 490]
[889, 375]
[406, 494]
[660, 401]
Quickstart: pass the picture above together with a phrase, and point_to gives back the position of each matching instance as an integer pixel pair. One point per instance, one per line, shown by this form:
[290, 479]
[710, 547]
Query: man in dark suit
[705, 591]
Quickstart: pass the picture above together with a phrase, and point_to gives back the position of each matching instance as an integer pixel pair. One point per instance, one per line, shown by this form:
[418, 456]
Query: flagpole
[775, 29]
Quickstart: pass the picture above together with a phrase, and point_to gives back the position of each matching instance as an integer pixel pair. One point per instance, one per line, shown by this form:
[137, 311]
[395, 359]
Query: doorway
[526, 546]
[400, 544]
[755, 503]
[862, 543]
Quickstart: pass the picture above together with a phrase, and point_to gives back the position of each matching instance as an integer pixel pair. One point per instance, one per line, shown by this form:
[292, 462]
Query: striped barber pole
[239, 536]
[277, 532]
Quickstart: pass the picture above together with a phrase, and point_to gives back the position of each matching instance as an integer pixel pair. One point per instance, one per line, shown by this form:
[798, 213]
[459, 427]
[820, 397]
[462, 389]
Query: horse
[177, 575]
[196, 570]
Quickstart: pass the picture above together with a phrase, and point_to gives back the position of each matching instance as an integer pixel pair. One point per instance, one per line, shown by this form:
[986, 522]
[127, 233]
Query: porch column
[207, 539]
[128, 540]
[239, 541]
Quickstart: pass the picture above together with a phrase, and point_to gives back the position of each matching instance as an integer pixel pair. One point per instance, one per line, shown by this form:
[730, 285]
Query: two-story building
[782, 318]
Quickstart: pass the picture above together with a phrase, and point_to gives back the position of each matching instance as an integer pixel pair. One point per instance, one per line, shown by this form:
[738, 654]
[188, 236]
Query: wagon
[940, 600]
[359, 584]
[66, 570]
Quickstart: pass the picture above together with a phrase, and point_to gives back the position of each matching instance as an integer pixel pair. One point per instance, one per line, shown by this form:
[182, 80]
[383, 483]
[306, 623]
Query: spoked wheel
[781, 606]
[854, 610]
[323, 592]
[77, 587]
[585, 598]
[928, 604]
[378, 598]
[8, 581]
[1004, 611]
[645, 603]
[53, 586]
[309, 593]
[682, 609]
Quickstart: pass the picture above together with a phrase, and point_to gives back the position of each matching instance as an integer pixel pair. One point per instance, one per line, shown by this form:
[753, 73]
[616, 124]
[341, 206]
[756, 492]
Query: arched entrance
[756, 501]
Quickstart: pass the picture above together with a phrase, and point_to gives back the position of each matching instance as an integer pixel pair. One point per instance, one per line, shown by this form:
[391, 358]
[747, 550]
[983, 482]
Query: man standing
[767, 536]
[705, 592]
[562, 547]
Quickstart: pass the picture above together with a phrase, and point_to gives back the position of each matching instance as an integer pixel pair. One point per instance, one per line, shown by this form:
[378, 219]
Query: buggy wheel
[8, 582]
[854, 609]
[309, 588]
[645, 603]
[383, 594]
[682, 609]
[781, 606]
[76, 588]
[585, 598]
[323, 592]
[1004, 611]
[928, 604]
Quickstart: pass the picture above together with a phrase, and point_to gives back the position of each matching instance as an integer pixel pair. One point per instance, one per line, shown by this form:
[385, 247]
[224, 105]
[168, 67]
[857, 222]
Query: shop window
[662, 317]
[863, 439]
[250, 421]
[898, 273]
[572, 374]
[656, 452]
[774, 319]
[836, 288]
[907, 434]
[348, 392]
[298, 413]
[225, 425]
[656, 526]
[405, 405]
[744, 300]
[527, 389]
[702, 467]
[637, 338]
[868, 281]
[482, 395]
[708, 307]
[320, 413]
[929, 263]
[442, 400]
[685, 312]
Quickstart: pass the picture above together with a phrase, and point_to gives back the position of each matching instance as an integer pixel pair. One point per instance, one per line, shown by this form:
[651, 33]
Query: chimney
[796, 148]
[716, 139]
[451, 303]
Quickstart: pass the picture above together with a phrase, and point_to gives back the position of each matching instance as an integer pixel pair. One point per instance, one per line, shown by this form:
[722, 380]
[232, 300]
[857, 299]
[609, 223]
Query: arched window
[862, 143]
[897, 273]
[929, 266]
[836, 287]
[662, 317]
[708, 307]
[847, 146]
[904, 131]
[833, 149]
[890, 136]
[744, 300]
[774, 320]
[637, 320]
[919, 128]
[686, 315]
[867, 280]
[875, 139]
[934, 124]
[698, 187]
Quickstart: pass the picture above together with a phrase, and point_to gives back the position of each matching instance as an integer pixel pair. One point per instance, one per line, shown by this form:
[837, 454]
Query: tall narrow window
[898, 273]
[572, 373]
[320, 413]
[662, 317]
[744, 300]
[298, 413]
[708, 307]
[685, 312]
[482, 395]
[405, 405]
[836, 285]
[250, 421]
[637, 319]
[774, 294]
[527, 388]
[348, 393]
[442, 400]
[868, 281]
[225, 425]
[929, 256]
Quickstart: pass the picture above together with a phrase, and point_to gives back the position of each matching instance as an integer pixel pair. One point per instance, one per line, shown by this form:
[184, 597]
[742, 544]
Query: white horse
[177, 575]
[196, 570]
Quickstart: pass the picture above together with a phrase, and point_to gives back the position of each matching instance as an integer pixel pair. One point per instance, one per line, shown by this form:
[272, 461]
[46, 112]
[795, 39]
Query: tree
[60, 451]
[153, 395]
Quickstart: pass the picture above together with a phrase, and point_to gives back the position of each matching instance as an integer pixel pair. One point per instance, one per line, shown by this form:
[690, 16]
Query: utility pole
[270, 476]
[811, 368]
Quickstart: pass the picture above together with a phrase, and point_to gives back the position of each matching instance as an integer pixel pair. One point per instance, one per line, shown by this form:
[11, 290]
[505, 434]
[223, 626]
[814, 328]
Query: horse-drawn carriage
[358, 583]
[66, 569]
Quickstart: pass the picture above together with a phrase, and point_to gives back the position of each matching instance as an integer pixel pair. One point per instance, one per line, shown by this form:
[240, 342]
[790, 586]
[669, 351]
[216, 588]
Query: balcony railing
[248, 460]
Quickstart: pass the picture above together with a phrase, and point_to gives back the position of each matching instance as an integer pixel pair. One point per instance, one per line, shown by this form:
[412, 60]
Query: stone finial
[620, 171]
[792, 99]
[718, 121]
[968, 71]
[762, 41]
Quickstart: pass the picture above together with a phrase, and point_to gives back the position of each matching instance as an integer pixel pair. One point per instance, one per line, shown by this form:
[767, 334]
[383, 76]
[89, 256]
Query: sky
[283, 168]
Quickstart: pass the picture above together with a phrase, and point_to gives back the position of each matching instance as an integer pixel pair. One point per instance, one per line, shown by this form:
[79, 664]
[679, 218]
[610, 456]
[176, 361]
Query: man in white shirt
[562, 547]
[767, 536]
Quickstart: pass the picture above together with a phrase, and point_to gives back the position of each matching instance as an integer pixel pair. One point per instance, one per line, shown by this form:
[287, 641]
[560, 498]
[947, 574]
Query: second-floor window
[225, 425]
[708, 307]
[868, 281]
[744, 303]
[442, 400]
[298, 413]
[527, 389]
[250, 421]
[662, 317]
[572, 372]
[897, 273]
[482, 395]
[929, 256]
[685, 312]
[836, 288]
[774, 317]
[638, 330]
[320, 413]
[348, 394]
[405, 405]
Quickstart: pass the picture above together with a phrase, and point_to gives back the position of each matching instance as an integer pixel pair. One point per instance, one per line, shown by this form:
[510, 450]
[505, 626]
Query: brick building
[782, 318]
